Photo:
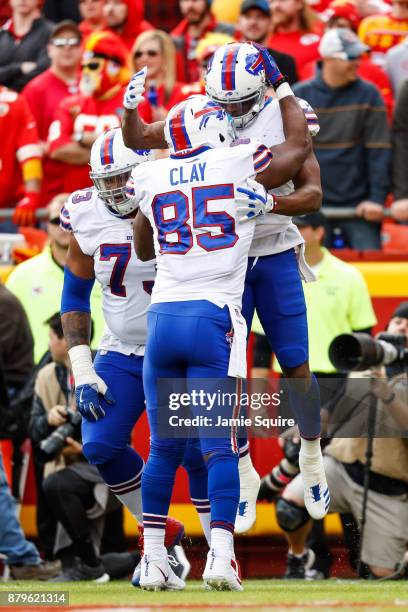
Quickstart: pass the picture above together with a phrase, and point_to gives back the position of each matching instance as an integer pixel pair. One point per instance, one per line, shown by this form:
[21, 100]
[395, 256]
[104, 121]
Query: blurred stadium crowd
[64, 67]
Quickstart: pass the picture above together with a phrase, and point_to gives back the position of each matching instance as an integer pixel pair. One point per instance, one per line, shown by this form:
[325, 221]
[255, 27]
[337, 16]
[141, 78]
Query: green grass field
[258, 595]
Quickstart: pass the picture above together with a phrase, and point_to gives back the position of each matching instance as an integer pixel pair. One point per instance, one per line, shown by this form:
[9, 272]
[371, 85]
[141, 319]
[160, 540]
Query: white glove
[311, 117]
[254, 202]
[135, 90]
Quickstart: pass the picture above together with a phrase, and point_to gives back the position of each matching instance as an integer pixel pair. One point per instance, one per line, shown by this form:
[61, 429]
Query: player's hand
[254, 201]
[135, 90]
[24, 213]
[88, 399]
[311, 117]
[370, 211]
[272, 73]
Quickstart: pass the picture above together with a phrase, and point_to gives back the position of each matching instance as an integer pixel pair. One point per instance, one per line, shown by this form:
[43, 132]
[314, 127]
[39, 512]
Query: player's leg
[220, 454]
[248, 476]
[165, 456]
[196, 469]
[281, 307]
[106, 442]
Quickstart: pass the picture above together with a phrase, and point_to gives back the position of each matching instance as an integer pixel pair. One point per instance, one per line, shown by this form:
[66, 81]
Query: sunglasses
[91, 66]
[66, 42]
[149, 53]
[55, 221]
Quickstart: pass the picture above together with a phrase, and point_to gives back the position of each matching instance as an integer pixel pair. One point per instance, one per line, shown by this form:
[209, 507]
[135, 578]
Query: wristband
[389, 400]
[283, 90]
[81, 363]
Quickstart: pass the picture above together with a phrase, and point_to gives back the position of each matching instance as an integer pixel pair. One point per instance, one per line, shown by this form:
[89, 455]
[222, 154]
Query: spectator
[45, 93]
[346, 16]
[386, 530]
[196, 23]
[206, 47]
[92, 15]
[155, 49]
[293, 24]
[399, 208]
[56, 11]
[20, 160]
[254, 23]
[163, 15]
[23, 41]
[22, 556]
[382, 32]
[80, 119]
[125, 19]
[16, 342]
[396, 65]
[37, 283]
[353, 141]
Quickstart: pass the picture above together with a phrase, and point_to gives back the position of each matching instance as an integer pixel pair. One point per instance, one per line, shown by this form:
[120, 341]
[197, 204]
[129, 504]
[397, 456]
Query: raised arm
[136, 133]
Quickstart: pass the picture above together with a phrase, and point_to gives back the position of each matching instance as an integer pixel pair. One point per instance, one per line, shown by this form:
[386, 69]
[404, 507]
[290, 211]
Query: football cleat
[299, 568]
[177, 558]
[249, 489]
[221, 572]
[156, 574]
[315, 489]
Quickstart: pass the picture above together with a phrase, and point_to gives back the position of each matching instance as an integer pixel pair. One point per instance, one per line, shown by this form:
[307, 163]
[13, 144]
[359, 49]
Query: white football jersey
[201, 248]
[273, 233]
[126, 281]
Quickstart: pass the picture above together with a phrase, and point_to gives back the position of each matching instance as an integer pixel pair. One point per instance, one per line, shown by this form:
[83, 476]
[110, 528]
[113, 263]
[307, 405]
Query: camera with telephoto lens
[359, 351]
[51, 446]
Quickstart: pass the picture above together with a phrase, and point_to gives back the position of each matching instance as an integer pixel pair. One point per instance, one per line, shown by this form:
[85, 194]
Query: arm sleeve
[361, 313]
[38, 427]
[28, 143]
[378, 149]
[400, 145]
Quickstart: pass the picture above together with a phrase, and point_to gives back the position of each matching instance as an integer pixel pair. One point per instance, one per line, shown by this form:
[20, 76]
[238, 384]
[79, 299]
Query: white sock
[245, 464]
[309, 450]
[222, 540]
[154, 542]
[205, 519]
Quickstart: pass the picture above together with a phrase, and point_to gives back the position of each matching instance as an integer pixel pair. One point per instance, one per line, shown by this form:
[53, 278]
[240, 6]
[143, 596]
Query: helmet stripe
[107, 149]
[228, 67]
[178, 132]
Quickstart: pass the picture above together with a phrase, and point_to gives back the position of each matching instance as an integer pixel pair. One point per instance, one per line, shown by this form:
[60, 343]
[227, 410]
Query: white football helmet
[111, 166]
[236, 80]
[197, 122]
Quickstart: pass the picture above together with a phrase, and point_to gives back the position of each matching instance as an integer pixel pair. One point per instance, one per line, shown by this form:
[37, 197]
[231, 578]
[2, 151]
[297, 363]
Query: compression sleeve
[76, 293]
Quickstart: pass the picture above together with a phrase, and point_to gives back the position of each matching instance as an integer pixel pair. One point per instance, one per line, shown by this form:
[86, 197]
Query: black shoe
[297, 567]
[80, 571]
[178, 561]
[266, 491]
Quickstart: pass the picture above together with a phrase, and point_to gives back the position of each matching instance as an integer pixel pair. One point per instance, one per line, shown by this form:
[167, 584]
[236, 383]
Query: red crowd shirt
[44, 95]
[76, 115]
[303, 46]
[19, 143]
[145, 108]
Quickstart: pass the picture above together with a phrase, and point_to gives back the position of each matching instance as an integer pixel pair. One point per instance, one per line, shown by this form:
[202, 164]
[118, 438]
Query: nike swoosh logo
[80, 397]
[162, 573]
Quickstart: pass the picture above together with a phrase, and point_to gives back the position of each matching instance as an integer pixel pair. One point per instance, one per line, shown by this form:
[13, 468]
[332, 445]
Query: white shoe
[157, 575]
[221, 573]
[315, 489]
[249, 482]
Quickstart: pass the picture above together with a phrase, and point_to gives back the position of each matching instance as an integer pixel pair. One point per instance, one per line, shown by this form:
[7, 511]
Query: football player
[237, 78]
[109, 391]
[195, 327]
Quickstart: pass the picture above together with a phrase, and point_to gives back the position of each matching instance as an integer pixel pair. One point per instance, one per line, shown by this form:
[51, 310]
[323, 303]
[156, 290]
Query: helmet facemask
[111, 188]
[243, 110]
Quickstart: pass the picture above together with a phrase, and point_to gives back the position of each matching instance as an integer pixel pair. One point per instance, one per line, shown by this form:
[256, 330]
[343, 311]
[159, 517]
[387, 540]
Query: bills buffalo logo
[254, 64]
[142, 152]
[211, 109]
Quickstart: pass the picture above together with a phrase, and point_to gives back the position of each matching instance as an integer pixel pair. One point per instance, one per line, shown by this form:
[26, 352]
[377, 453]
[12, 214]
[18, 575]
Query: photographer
[73, 500]
[386, 528]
